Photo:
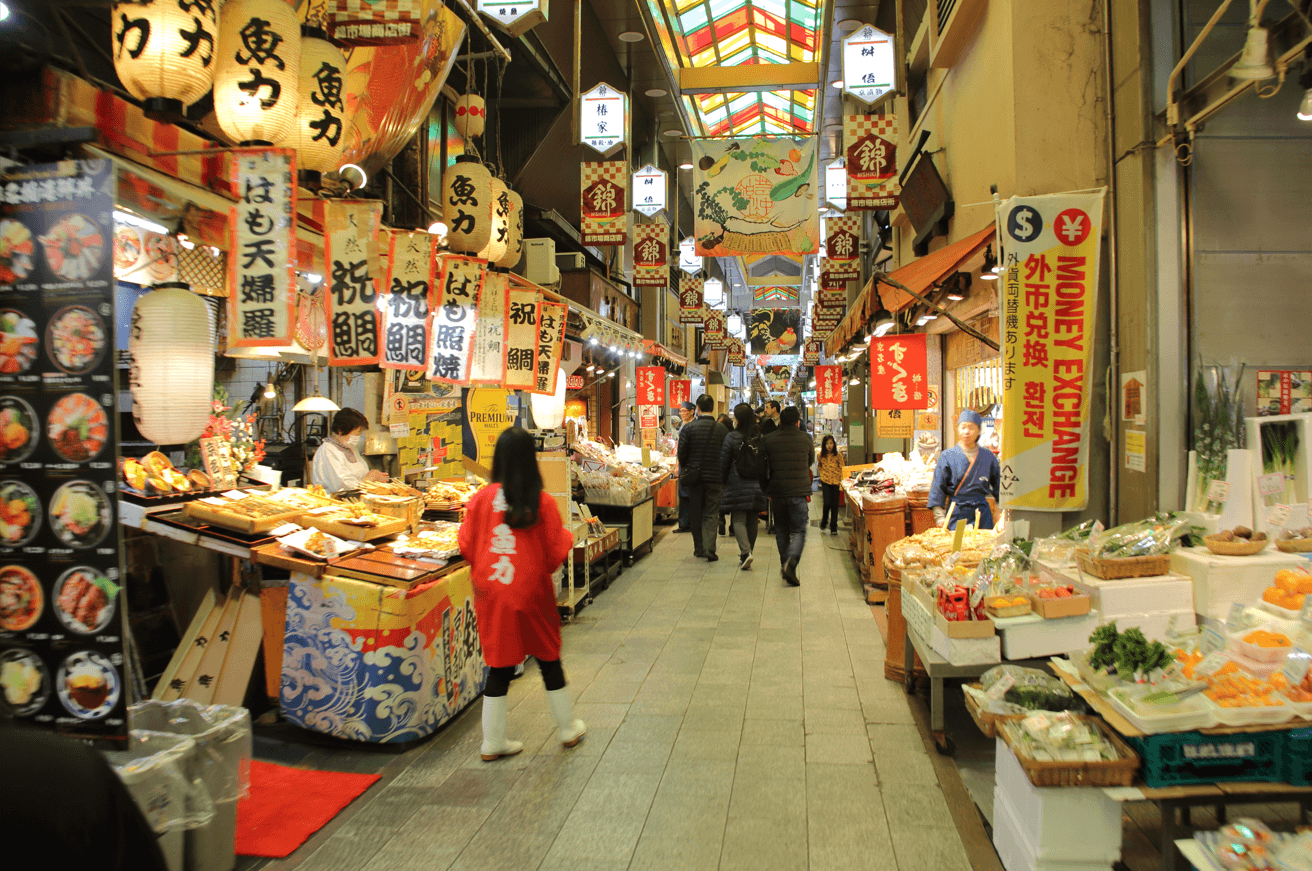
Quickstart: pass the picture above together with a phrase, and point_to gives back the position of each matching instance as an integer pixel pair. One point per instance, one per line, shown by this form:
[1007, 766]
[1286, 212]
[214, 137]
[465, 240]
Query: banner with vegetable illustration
[1049, 300]
[755, 196]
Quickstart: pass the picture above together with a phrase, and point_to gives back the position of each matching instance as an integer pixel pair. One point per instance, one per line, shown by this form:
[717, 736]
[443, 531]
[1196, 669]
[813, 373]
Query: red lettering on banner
[1068, 400]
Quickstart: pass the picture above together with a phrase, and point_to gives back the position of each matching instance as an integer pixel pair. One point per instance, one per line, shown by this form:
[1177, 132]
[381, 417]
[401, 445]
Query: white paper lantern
[467, 205]
[172, 377]
[165, 53]
[471, 115]
[500, 235]
[549, 411]
[515, 239]
[319, 134]
[257, 80]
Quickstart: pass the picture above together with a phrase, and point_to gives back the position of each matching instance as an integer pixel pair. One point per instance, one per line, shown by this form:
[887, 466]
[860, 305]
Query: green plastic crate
[1298, 757]
[1185, 758]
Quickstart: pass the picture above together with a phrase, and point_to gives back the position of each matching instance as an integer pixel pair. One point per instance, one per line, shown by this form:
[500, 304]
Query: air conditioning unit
[572, 260]
[540, 261]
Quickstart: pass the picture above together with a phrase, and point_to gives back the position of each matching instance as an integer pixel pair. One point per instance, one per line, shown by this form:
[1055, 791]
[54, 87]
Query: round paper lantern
[172, 377]
[257, 77]
[318, 133]
[515, 238]
[165, 53]
[471, 115]
[496, 244]
[467, 205]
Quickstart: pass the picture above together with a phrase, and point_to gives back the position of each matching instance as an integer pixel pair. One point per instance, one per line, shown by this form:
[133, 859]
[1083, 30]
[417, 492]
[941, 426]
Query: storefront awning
[656, 349]
[919, 276]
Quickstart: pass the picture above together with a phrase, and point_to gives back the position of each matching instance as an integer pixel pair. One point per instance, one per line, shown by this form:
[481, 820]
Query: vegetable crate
[1186, 758]
[1298, 757]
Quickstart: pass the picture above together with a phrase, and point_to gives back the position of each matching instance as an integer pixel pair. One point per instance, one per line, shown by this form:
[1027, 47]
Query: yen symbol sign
[1072, 227]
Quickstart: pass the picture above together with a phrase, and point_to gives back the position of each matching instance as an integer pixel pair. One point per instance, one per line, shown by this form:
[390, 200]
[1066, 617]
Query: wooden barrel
[895, 658]
[885, 523]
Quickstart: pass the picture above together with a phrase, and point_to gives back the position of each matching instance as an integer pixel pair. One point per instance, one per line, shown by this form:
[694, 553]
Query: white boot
[569, 729]
[495, 744]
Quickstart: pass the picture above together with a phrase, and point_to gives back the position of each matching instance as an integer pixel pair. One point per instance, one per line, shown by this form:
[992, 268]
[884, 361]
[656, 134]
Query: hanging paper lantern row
[317, 134]
[467, 205]
[471, 116]
[496, 244]
[515, 238]
[172, 372]
[257, 77]
[164, 52]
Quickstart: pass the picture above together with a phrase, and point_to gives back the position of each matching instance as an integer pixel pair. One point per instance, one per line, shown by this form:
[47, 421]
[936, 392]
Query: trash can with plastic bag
[162, 773]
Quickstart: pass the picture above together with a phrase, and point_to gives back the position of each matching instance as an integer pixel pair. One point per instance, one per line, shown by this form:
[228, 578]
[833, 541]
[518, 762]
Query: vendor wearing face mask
[339, 464]
[966, 478]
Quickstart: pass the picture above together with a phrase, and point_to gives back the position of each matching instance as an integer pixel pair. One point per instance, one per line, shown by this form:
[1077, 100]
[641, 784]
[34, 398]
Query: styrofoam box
[915, 614]
[1140, 595]
[1063, 824]
[1048, 637]
[1016, 853]
[1220, 580]
[1157, 625]
[966, 651]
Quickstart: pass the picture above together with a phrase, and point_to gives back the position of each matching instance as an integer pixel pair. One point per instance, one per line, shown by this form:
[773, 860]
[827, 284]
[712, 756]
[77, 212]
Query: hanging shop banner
[651, 254]
[651, 385]
[649, 184]
[716, 332]
[551, 339]
[830, 284]
[262, 262]
[899, 372]
[605, 221]
[756, 196]
[894, 423]
[775, 331]
[776, 296]
[488, 367]
[689, 261]
[62, 610]
[522, 339]
[1050, 295]
[690, 299]
[368, 23]
[1278, 392]
[871, 162]
[869, 64]
[410, 267]
[680, 392]
[811, 351]
[350, 242]
[457, 300]
[842, 249]
[737, 351]
[777, 378]
[828, 384]
[827, 298]
[603, 119]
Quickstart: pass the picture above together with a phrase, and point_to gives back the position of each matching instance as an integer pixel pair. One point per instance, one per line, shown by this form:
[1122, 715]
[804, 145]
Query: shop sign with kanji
[871, 162]
[651, 385]
[351, 252]
[899, 372]
[842, 248]
[457, 298]
[649, 190]
[551, 338]
[516, 17]
[869, 64]
[680, 392]
[603, 119]
[651, 255]
[406, 318]
[737, 351]
[828, 384]
[690, 299]
[488, 368]
[811, 352]
[689, 260]
[522, 340]
[262, 266]
[604, 202]
[715, 333]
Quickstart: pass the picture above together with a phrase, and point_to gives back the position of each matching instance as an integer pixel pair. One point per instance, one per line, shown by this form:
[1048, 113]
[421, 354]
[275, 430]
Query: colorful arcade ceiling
[726, 33]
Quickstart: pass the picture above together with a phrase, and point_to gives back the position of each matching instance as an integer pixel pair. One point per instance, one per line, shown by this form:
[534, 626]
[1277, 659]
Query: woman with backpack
[742, 462]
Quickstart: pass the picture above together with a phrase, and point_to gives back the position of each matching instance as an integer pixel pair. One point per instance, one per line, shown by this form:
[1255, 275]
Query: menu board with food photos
[61, 609]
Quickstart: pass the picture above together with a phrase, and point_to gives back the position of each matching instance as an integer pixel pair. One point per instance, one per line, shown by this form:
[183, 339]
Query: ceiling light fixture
[1255, 61]
[133, 220]
[989, 272]
[350, 170]
[632, 36]
[849, 23]
[316, 403]
[687, 164]
[4, 11]
[1305, 82]
[672, 133]
[656, 92]
[269, 391]
[837, 83]
[437, 228]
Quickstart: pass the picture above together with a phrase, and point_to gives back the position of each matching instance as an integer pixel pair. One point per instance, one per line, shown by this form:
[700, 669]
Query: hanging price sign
[405, 316]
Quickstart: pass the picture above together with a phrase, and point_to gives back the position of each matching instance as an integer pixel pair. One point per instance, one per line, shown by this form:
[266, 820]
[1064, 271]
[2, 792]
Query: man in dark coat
[789, 453]
[771, 422]
[699, 448]
[687, 414]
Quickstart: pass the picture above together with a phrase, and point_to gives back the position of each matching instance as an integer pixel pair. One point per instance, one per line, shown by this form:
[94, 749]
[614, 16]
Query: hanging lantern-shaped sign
[257, 78]
[649, 190]
[471, 115]
[317, 134]
[515, 238]
[496, 244]
[164, 52]
[172, 375]
[516, 17]
[604, 119]
[467, 205]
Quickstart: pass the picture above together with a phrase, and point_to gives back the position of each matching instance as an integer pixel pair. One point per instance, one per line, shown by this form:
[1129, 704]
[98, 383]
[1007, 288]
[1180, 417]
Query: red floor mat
[287, 805]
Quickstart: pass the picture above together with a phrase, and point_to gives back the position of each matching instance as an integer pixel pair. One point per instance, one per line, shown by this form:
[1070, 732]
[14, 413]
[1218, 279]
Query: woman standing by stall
[831, 475]
[338, 464]
[743, 497]
[966, 479]
[514, 540]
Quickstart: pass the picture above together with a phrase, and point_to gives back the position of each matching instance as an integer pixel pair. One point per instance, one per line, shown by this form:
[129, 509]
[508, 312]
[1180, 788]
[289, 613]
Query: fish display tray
[332, 526]
[248, 525]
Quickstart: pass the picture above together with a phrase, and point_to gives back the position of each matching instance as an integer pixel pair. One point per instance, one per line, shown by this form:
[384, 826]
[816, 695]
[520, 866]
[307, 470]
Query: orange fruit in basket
[1274, 596]
[1287, 580]
[1294, 601]
[1304, 583]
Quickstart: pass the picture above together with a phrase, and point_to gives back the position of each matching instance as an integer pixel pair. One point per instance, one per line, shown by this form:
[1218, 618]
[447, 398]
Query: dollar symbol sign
[1023, 223]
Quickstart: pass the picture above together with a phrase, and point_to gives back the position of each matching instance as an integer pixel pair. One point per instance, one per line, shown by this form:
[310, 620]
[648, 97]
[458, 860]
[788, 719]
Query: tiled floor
[733, 722]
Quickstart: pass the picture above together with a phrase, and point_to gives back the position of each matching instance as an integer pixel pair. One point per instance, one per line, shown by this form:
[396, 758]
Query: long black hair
[747, 423]
[515, 468]
[827, 440]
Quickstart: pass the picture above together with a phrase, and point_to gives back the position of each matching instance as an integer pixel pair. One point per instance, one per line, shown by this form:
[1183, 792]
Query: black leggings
[498, 679]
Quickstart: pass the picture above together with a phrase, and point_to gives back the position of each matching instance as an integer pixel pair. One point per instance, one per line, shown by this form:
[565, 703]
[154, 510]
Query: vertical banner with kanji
[457, 296]
[1049, 300]
[350, 250]
[551, 341]
[871, 162]
[262, 263]
[842, 249]
[604, 204]
[522, 340]
[651, 385]
[410, 268]
[899, 371]
[680, 392]
[811, 351]
[828, 384]
[488, 368]
[715, 332]
[651, 254]
[737, 351]
[690, 299]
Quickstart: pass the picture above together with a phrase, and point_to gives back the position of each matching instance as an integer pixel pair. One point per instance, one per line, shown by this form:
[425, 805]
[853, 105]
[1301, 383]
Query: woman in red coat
[514, 539]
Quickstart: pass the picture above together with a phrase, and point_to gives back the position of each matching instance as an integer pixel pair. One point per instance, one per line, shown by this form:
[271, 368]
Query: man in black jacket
[771, 422]
[789, 453]
[699, 449]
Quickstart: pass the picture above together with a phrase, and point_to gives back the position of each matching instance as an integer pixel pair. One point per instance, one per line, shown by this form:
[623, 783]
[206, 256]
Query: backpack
[750, 461]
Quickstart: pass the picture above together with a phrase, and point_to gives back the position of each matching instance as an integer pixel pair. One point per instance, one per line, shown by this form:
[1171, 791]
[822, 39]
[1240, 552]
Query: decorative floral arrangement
[238, 431]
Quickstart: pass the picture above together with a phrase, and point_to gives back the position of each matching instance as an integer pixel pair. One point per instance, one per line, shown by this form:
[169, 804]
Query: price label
[1234, 621]
[1270, 485]
[1279, 515]
[999, 689]
[398, 430]
[1213, 640]
[285, 529]
[1296, 667]
[235, 494]
[1219, 491]
[215, 500]
[1210, 664]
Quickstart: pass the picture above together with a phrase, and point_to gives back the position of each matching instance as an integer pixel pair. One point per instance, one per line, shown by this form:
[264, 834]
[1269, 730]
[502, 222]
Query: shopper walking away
[742, 462]
[789, 453]
[727, 422]
[687, 414]
[699, 465]
[514, 539]
[966, 479]
[831, 475]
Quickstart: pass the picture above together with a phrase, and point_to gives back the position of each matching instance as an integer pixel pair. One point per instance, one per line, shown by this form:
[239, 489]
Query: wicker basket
[1239, 547]
[1111, 772]
[1295, 545]
[1125, 567]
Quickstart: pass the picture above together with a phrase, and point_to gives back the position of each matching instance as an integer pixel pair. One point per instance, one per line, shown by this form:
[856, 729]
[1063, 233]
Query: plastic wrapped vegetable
[1150, 537]
[1029, 689]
